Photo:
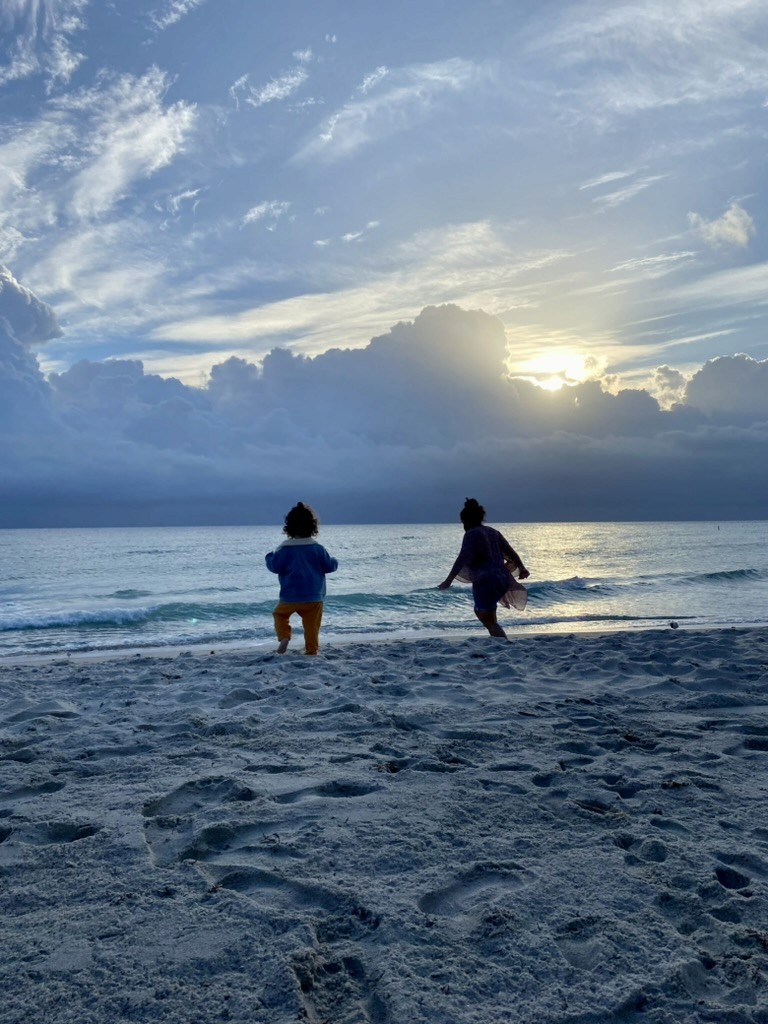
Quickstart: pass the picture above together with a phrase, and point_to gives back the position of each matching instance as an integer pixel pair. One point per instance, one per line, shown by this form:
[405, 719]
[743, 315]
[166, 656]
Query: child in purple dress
[490, 564]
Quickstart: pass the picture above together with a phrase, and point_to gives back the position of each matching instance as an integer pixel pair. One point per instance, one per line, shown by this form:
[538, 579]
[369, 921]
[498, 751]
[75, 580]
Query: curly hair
[472, 514]
[301, 521]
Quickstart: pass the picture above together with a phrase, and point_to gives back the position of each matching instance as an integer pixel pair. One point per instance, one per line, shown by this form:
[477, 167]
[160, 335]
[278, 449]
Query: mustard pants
[310, 613]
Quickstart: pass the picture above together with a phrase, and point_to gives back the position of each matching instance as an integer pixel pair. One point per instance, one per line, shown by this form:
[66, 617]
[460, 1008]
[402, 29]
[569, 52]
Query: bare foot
[282, 647]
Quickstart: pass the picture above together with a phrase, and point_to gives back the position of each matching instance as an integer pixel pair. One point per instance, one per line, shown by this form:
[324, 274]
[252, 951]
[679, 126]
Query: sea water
[103, 589]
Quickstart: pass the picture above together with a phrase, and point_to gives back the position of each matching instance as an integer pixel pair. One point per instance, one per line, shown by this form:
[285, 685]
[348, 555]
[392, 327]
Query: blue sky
[187, 181]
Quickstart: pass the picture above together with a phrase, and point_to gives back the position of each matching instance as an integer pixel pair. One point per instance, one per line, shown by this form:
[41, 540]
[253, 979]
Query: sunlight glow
[553, 369]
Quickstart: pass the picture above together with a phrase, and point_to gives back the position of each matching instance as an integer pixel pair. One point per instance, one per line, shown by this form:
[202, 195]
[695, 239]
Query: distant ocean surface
[105, 589]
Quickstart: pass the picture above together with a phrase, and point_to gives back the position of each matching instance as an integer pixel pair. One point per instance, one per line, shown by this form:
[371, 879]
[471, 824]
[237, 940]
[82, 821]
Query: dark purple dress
[487, 561]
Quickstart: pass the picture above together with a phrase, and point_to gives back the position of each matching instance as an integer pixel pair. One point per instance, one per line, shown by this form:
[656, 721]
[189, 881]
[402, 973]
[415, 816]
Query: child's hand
[523, 574]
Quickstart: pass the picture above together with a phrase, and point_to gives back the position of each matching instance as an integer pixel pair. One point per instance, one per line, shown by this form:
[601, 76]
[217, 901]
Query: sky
[378, 257]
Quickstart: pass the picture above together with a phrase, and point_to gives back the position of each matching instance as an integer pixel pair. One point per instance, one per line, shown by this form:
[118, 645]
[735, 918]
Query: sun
[553, 369]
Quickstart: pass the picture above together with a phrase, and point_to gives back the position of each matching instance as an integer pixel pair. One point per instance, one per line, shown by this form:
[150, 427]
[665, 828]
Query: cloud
[654, 266]
[401, 428]
[25, 322]
[629, 57]
[38, 34]
[23, 209]
[737, 286]
[622, 195]
[668, 385]
[175, 202]
[373, 79]
[173, 11]
[276, 89]
[391, 103]
[31, 321]
[734, 387]
[734, 227]
[128, 136]
[270, 209]
[472, 264]
[606, 179]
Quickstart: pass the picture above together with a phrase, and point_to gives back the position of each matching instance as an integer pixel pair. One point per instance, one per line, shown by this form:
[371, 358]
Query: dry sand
[558, 829]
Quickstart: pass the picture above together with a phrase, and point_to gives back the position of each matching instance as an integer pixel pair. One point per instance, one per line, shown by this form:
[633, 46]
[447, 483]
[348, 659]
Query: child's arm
[273, 559]
[512, 556]
[463, 556]
[330, 563]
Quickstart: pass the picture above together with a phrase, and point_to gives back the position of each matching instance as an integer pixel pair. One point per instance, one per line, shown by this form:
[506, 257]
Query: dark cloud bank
[399, 431]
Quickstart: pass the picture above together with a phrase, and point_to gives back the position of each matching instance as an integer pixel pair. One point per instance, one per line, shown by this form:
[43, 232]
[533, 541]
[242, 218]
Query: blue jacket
[301, 563]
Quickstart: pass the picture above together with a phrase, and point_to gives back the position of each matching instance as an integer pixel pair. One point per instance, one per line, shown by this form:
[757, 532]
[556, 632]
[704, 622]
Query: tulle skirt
[495, 586]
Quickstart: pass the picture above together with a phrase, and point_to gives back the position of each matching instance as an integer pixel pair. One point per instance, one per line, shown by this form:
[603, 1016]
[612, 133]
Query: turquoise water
[69, 590]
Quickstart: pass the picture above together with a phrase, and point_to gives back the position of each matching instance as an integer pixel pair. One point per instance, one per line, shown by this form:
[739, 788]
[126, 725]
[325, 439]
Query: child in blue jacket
[301, 563]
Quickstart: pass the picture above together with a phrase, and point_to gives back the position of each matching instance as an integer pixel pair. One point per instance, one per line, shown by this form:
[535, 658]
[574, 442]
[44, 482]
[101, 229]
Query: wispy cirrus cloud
[653, 266]
[650, 54]
[373, 79]
[471, 264]
[737, 286]
[606, 179]
[24, 210]
[127, 134]
[173, 11]
[38, 36]
[271, 210]
[622, 195]
[734, 227]
[391, 102]
[279, 88]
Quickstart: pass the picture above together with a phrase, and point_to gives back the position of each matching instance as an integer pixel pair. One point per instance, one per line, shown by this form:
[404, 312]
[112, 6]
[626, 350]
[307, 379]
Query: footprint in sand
[276, 889]
[29, 792]
[173, 829]
[480, 885]
[338, 989]
[243, 844]
[197, 794]
[54, 833]
[641, 851]
[169, 828]
[23, 710]
[581, 942]
[334, 790]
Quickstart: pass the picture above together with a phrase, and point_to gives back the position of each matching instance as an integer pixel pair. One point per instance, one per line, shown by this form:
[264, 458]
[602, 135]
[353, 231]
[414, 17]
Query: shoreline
[332, 642]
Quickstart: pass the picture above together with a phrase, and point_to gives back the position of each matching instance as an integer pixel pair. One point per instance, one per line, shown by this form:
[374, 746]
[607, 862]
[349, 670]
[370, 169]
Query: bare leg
[490, 622]
[282, 616]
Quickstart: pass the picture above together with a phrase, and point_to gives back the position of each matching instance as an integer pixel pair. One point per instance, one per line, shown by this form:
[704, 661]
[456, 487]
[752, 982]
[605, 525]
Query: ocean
[74, 590]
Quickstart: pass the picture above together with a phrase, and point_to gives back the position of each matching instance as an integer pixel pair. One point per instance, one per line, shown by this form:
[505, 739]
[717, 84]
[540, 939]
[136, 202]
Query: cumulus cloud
[25, 322]
[735, 227]
[401, 428]
[735, 387]
[38, 36]
[668, 385]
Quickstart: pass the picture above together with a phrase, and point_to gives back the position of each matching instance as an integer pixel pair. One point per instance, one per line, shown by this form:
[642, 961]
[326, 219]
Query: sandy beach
[563, 828]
